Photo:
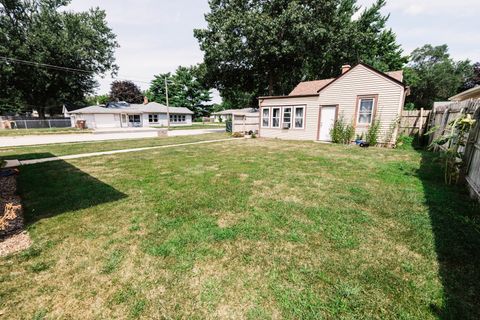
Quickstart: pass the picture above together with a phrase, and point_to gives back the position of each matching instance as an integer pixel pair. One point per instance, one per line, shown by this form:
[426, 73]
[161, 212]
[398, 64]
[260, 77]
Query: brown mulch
[12, 236]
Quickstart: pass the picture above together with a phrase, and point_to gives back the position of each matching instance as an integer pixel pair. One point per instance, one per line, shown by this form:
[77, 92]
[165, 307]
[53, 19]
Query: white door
[327, 119]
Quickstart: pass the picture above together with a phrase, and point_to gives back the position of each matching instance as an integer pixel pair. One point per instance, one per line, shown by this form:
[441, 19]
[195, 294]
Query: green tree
[124, 90]
[474, 80]
[52, 55]
[434, 76]
[97, 99]
[185, 89]
[257, 47]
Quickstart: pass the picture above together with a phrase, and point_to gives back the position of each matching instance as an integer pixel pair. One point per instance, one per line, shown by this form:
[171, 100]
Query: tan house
[473, 93]
[360, 95]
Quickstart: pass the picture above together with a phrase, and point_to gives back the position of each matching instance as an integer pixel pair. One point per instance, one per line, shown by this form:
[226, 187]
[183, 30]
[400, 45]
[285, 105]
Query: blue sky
[156, 36]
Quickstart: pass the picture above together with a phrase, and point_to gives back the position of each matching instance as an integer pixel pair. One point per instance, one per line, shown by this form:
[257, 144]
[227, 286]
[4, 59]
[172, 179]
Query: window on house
[365, 111]
[287, 116]
[265, 117]
[153, 118]
[275, 117]
[178, 118]
[299, 117]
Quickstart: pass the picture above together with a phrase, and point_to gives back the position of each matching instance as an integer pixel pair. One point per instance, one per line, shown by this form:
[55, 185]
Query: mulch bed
[12, 236]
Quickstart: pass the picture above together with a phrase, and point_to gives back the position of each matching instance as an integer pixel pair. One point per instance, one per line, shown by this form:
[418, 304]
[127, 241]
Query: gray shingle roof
[151, 107]
[233, 111]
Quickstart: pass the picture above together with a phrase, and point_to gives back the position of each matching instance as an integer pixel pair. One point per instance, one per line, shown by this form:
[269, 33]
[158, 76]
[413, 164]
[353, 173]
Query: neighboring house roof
[473, 93]
[310, 88]
[151, 107]
[233, 111]
[244, 112]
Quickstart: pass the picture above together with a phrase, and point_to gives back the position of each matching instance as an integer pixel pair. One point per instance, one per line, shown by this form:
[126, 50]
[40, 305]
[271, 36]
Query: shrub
[405, 142]
[342, 132]
[372, 133]
[254, 135]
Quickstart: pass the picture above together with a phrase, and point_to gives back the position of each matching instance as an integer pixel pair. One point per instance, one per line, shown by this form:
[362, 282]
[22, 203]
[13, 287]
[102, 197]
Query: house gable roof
[392, 76]
[313, 88]
[310, 87]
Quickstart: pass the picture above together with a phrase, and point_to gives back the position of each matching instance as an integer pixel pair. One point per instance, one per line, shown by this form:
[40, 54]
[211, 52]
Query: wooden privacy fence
[413, 122]
[472, 156]
[439, 119]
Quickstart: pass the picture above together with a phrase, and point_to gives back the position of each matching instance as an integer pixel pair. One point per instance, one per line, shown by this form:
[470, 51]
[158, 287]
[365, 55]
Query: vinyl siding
[311, 119]
[362, 81]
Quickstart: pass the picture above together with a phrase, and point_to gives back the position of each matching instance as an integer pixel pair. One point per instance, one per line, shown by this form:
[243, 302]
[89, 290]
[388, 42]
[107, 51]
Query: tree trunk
[41, 112]
[271, 83]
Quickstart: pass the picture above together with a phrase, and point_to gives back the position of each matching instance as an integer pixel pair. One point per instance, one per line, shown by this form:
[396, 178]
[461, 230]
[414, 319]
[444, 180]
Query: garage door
[106, 121]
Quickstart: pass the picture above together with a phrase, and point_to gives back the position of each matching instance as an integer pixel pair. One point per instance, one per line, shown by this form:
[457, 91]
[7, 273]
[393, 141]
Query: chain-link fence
[35, 123]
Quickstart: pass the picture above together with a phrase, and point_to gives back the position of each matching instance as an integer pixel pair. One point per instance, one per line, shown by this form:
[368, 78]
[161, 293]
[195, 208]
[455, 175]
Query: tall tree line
[38, 34]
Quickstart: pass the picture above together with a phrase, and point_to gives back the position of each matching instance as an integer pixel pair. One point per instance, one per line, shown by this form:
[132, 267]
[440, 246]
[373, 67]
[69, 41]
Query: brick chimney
[145, 100]
[345, 68]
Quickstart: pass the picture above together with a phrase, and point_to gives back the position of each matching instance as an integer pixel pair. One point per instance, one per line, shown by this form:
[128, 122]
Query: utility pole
[168, 110]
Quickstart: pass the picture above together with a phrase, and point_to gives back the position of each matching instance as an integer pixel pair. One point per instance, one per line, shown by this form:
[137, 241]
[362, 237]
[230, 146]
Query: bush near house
[342, 132]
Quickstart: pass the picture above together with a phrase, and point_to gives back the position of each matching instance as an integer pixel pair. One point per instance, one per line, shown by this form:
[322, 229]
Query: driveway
[16, 141]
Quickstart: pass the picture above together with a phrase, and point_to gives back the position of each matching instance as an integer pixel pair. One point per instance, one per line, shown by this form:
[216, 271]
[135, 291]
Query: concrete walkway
[15, 141]
[16, 163]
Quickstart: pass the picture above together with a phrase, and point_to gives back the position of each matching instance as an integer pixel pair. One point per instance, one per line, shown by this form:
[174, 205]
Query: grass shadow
[455, 220]
[52, 188]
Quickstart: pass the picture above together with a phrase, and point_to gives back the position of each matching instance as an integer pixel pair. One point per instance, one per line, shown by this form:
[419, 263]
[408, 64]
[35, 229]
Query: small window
[365, 111]
[287, 117]
[275, 117]
[265, 117]
[153, 118]
[299, 117]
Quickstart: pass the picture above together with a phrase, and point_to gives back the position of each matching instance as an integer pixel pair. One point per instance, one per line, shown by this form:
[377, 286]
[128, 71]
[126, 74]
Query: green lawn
[254, 229]
[46, 151]
[29, 132]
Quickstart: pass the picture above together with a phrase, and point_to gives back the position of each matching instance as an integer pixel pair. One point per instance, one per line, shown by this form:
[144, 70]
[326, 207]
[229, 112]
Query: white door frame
[123, 124]
[320, 122]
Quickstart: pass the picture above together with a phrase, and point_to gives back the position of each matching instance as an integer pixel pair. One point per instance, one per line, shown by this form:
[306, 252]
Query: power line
[38, 64]
[51, 66]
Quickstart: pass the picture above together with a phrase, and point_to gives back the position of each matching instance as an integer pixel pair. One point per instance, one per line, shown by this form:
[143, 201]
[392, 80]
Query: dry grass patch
[249, 229]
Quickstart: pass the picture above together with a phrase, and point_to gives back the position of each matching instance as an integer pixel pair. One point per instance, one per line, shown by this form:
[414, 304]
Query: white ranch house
[360, 95]
[124, 115]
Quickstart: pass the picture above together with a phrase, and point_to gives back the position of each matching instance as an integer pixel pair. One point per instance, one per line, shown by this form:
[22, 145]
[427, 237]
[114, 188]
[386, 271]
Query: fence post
[420, 125]
[26, 127]
[49, 126]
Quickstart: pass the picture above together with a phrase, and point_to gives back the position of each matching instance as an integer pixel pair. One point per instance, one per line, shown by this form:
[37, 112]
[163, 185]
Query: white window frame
[283, 116]
[372, 112]
[279, 117]
[266, 118]
[295, 117]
